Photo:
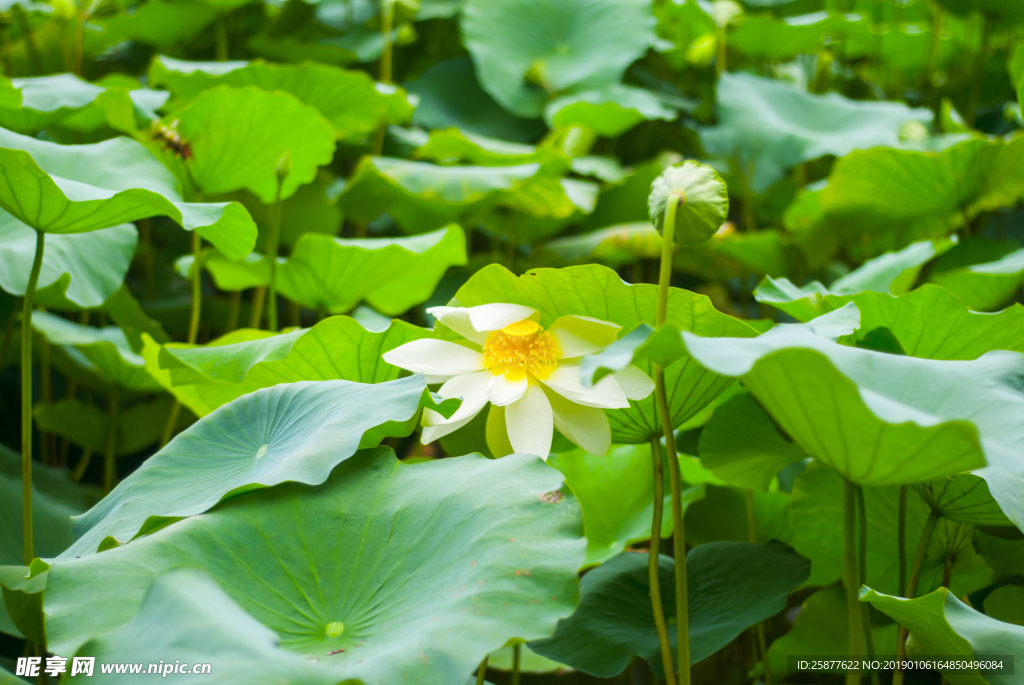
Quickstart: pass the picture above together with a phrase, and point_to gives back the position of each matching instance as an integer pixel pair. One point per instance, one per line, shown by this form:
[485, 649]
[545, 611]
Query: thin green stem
[197, 287]
[235, 303]
[915, 575]
[675, 478]
[481, 672]
[26, 399]
[979, 73]
[387, 20]
[653, 579]
[172, 422]
[862, 574]
[30, 41]
[901, 539]
[256, 306]
[46, 385]
[762, 642]
[273, 238]
[221, 30]
[516, 656]
[854, 615]
[110, 453]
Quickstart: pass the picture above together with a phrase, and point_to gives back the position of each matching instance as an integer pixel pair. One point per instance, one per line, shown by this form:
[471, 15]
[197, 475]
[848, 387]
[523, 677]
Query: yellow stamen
[521, 349]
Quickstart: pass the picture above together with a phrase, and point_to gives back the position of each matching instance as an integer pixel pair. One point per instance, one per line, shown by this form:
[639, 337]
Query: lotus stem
[481, 672]
[653, 578]
[256, 306]
[516, 656]
[915, 575]
[273, 239]
[979, 72]
[146, 238]
[862, 574]
[172, 421]
[221, 29]
[30, 41]
[901, 539]
[854, 616]
[26, 399]
[235, 299]
[675, 478]
[197, 287]
[8, 333]
[110, 454]
[46, 385]
[762, 642]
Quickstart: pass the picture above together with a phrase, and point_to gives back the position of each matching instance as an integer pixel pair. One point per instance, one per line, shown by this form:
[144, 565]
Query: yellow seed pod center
[521, 349]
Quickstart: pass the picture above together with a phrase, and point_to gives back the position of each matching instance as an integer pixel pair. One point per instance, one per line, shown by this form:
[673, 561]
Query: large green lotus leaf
[615, 245]
[597, 291]
[939, 623]
[160, 23]
[452, 145]
[105, 352]
[891, 197]
[186, 617]
[529, 662]
[928, 322]
[763, 37]
[609, 111]
[324, 273]
[450, 97]
[575, 44]
[81, 188]
[290, 432]
[337, 348]
[8, 678]
[893, 273]
[390, 274]
[999, 11]
[821, 629]
[984, 287]
[742, 446]
[616, 492]
[408, 573]
[731, 586]
[83, 269]
[1006, 603]
[423, 196]
[547, 197]
[816, 516]
[963, 498]
[138, 427]
[52, 100]
[771, 127]
[238, 136]
[872, 415]
[350, 100]
[722, 515]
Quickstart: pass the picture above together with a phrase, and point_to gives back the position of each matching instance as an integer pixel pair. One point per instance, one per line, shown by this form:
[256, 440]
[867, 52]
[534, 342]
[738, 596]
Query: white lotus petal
[580, 335]
[494, 317]
[588, 427]
[472, 388]
[530, 423]
[457, 319]
[504, 392]
[606, 393]
[436, 426]
[435, 357]
[635, 384]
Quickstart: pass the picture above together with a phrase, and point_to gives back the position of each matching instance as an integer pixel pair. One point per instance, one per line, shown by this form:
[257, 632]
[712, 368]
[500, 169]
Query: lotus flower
[509, 360]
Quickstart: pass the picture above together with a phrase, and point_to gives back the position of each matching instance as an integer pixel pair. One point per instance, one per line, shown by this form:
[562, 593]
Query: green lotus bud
[284, 166]
[702, 202]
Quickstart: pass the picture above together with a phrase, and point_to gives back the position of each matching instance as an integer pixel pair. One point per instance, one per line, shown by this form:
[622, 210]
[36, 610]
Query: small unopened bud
[701, 197]
[284, 166]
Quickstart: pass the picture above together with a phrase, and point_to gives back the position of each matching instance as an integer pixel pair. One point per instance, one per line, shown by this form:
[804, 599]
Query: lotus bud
[701, 197]
[284, 166]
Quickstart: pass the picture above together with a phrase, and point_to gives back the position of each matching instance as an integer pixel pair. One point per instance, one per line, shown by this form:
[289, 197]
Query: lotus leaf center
[334, 629]
[521, 349]
[263, 450]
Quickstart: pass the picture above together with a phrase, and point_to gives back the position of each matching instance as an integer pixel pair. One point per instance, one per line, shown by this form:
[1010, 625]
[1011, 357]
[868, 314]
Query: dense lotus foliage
[440, 342]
